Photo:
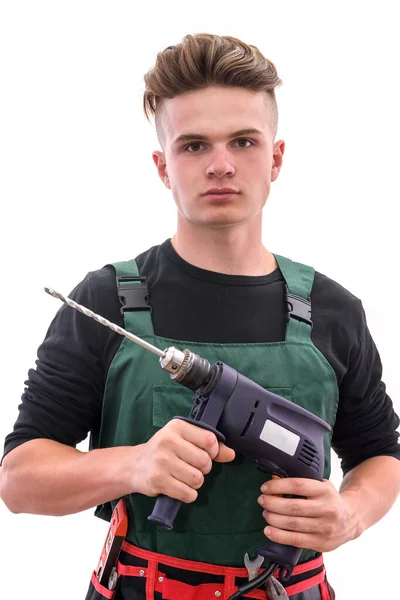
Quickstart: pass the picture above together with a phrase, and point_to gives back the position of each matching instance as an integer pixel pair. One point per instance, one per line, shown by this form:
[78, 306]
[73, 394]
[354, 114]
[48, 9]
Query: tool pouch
[97, 591]
[106, 571]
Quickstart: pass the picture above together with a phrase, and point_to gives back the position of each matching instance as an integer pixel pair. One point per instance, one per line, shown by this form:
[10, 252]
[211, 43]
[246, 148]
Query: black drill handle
[165, 511]
[284, 555]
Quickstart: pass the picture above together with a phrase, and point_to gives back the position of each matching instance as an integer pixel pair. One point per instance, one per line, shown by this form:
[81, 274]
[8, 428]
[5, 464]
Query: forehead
[215, 111]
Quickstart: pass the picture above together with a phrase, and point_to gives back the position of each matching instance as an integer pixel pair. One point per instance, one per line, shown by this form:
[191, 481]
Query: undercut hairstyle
[204, 60]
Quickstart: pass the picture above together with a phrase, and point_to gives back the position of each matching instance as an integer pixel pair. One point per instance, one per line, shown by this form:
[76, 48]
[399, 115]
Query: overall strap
[299, 281]
[133, 295]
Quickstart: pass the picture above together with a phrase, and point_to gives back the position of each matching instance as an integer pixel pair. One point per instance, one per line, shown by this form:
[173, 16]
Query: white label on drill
[281, 438]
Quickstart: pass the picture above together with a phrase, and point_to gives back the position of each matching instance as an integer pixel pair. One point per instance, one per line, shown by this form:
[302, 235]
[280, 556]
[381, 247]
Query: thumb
[225, 454]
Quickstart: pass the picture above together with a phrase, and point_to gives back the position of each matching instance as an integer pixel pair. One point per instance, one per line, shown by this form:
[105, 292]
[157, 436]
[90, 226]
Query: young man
[215, 289]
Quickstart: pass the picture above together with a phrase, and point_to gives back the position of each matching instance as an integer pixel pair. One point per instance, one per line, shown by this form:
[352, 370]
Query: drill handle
[165, 511]
[284, 555]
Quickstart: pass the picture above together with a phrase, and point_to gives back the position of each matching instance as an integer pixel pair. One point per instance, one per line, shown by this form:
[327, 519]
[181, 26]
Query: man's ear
[159, 161]
[278, 150]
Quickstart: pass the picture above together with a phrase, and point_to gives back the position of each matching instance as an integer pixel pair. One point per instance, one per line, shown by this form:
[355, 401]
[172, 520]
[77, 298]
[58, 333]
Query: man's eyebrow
[185, 137]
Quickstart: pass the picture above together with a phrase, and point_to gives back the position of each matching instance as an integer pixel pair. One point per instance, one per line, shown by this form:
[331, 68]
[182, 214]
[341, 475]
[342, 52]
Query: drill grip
[284, 555]
[165, 511]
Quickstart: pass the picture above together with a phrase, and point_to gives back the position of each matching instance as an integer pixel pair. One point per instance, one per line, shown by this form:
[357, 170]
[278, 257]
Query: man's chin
[224, 221]
[217, 219]
[215, 223]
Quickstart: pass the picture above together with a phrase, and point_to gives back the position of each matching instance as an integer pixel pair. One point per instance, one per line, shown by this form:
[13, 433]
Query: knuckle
[293, 524]
[264, 515]
[295, 508]
[206, 464]
[155, 480]
[328, 530]
[161, 461]
[296, 540]
[269, 517]
[166, 439]
[197, 479]
[313, 528]
[189, 496]
[168, 428]
[175, 425]
[332, 512]
[269, 501]
[272, 535]
[298, 484]
[209, 439]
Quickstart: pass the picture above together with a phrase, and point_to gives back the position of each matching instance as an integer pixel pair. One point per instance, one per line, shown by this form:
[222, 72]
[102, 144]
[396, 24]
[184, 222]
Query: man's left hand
[322, 520]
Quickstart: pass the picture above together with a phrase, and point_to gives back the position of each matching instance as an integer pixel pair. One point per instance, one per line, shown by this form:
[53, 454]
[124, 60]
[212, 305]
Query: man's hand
[174, 461]
[322, 521]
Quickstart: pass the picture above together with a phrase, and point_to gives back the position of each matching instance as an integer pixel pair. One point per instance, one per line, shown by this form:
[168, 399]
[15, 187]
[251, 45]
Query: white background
[78, 189]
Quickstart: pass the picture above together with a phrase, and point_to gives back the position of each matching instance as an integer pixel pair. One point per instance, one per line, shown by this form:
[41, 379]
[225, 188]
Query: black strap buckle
[298, 308]
[135, 296]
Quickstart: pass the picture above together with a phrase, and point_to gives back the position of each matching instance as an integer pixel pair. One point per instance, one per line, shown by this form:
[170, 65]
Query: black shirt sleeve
[63, 395]
[366, 422]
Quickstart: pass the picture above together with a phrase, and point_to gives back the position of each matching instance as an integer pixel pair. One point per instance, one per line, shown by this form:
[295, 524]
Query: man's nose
[221, 164]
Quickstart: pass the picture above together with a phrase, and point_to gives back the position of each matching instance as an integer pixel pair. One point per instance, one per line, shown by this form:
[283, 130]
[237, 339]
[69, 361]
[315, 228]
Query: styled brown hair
[202, 60]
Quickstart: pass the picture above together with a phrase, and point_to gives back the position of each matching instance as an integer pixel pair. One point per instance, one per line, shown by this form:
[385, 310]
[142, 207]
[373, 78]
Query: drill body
[281, 437]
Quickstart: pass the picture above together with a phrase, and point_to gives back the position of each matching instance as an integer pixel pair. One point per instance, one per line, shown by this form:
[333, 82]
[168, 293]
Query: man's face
[218, 138]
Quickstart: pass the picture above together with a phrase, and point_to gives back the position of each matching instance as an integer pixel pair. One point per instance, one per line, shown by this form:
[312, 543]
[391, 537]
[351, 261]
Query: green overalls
[225, 521]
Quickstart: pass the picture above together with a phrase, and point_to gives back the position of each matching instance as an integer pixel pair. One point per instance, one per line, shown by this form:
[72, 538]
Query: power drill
[283, 438]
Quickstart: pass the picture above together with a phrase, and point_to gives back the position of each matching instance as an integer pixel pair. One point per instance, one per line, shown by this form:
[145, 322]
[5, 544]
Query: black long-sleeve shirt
[63, 397]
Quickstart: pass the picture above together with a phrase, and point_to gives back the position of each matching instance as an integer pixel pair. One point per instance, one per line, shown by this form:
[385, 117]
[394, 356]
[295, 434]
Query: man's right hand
[174, 461]
[45, 477]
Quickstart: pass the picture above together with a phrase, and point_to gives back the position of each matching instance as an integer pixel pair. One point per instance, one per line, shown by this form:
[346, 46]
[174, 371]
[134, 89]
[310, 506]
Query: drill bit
[103, 321]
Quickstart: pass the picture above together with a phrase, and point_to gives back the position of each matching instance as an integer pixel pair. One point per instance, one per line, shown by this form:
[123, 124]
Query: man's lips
[220, 193]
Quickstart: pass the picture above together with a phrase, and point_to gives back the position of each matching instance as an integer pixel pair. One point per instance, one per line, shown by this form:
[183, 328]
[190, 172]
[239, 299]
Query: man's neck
[224, 250]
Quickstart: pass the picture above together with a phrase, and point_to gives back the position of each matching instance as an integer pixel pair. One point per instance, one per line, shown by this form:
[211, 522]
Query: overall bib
[225, 521]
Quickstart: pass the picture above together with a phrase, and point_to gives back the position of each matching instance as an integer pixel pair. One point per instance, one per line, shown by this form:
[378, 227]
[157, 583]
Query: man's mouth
[223, 193]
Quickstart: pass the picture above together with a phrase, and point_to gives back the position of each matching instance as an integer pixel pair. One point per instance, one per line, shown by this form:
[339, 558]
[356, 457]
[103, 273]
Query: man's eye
[243, 141]
[195, 146]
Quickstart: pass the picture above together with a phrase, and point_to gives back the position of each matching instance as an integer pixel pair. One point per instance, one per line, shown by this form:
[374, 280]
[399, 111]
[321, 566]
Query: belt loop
[151, 578]
[229, 585]
[323, 586]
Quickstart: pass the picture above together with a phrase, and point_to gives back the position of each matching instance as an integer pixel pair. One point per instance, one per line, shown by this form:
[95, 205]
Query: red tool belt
[145, 574]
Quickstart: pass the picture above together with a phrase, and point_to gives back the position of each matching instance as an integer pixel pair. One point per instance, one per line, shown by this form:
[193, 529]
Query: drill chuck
[186, 367]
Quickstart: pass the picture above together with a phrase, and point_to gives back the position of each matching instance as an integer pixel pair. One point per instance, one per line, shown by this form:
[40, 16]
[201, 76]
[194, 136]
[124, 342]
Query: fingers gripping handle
[166, 508]
[286, 556]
